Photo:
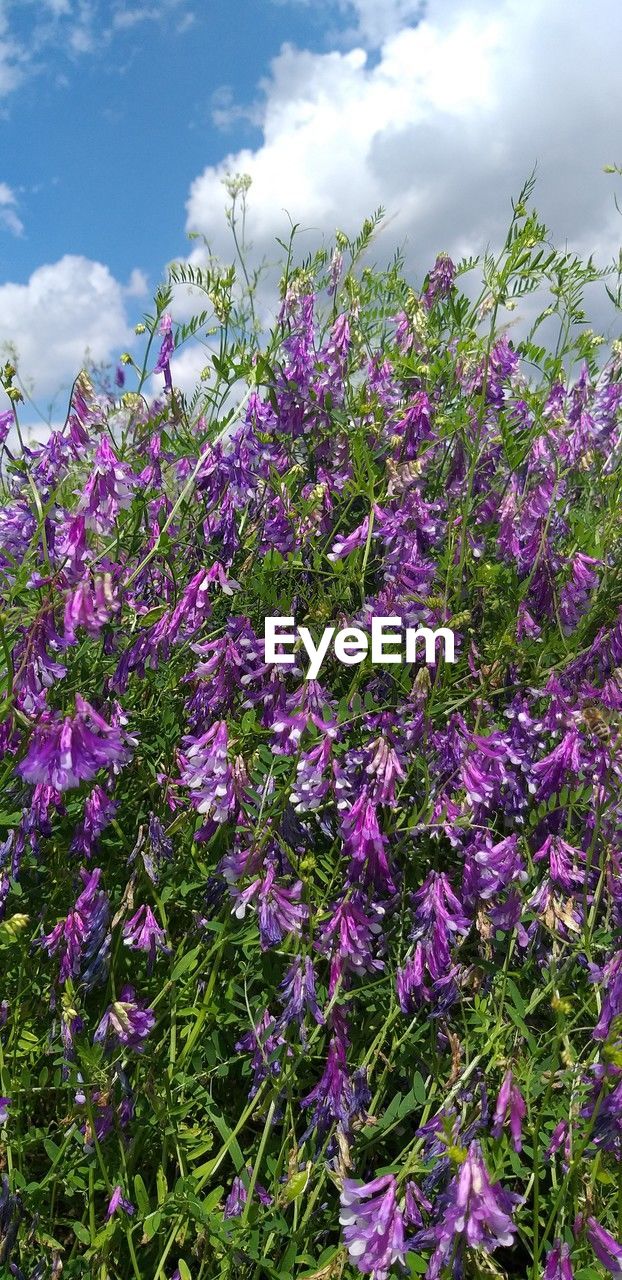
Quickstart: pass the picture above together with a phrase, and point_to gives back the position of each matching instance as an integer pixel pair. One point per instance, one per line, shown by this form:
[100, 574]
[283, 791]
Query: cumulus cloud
[440, 125]
[67, 310]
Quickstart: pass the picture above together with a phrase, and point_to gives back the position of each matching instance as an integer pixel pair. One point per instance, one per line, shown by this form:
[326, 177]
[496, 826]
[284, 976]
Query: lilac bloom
[99, 810]
[298, 988]
[279, 909]
[206, 771]
[385, 770]
[610, 978]
[561, 766]
[166, 350]
[238, 1195]
[4, 1109]
[510, 1102]
[365, 846]
[108, 490]
[350, 938]
[64, 753]
[265, 1044]
[312, 783]
[558, 1266]
[337, 1098]
[373, 1225]
[83, 937]
[126, 1022]
[143, 933]
[605, 1246]
[90, 605]
[118, 1201]
[476, 1211]
[440, 280]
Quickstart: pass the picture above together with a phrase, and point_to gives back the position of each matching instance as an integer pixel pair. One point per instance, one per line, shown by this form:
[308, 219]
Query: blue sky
[119, 119]
[102, 139]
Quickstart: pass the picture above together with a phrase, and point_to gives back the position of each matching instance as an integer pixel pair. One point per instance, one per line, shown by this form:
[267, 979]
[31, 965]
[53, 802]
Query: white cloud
[441, 127]
[9, 219]
[12, 59]
[137, 285]
[66, 308]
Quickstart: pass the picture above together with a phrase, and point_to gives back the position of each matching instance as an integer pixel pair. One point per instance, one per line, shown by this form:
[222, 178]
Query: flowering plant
[319, 976]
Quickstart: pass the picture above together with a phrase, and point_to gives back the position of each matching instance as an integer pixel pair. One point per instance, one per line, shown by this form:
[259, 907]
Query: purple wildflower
[108, 489]
[279, 909]
[440, 280]
[64, 753]
[166, 350]
[558, 1266]
[126, 1022]
[118, 1201]
[143, 933]
[476, 1211]
[605, 1246]
[509, 1102]
[205, 769]
[373, 1225]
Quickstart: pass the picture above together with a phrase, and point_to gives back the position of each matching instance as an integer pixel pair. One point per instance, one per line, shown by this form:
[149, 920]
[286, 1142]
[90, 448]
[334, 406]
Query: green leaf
[142, 1197]
[152, 1224]
[81, 1232]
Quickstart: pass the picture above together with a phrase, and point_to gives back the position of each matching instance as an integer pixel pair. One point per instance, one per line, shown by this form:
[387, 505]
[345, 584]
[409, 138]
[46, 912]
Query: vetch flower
[605, 1246]
[476, 1212]
[108, 490]
[126, 1022]
[118, 1201]
[558, 1266]
[143, 933]
[373, 1225]
[509, 1102]
[62, 753]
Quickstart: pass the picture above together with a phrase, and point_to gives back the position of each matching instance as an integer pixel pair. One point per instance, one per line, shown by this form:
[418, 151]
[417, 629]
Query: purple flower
[509, 1102]
[126, 1022]
[373, 1225]
[90, 605]
[83, 937]
[143, 933]
[278, 908]
[205, 769]
[385, 770]
[561, 766]
[298, 987]
[99, 810]
[440, 280]
[238, 1195]
[337, 1098]
[476, 1211]
[349, 937]
[265, 1044]
[108, 489]
[558, 1265]
[606, 1248]
[365, 846]
[166, 350]
[63, 753]
[118, 1201]
[4, 1109]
